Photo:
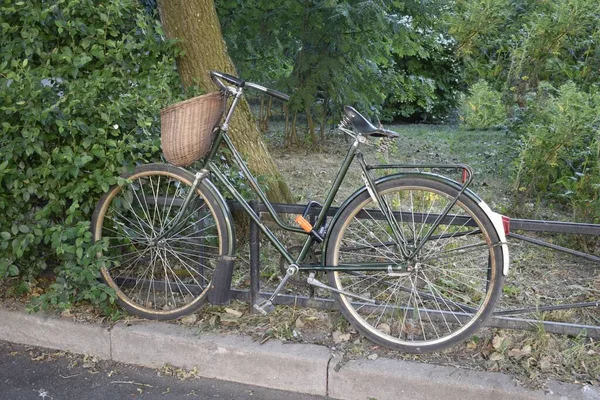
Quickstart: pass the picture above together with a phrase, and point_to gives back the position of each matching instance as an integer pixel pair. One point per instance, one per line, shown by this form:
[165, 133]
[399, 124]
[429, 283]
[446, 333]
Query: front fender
[220, 289]
[229, 225]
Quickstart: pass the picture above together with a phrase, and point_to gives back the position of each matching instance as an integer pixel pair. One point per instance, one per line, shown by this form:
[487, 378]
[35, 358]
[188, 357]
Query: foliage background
[82, 84]
[543, 58]
[393, 59]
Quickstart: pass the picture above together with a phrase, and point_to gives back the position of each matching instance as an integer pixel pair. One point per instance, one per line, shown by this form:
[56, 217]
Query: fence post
[254, 259]
[313, 219]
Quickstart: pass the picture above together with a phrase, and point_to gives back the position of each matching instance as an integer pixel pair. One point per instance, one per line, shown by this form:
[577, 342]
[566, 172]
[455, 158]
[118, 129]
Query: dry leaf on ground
[339, 337]
[234, 312]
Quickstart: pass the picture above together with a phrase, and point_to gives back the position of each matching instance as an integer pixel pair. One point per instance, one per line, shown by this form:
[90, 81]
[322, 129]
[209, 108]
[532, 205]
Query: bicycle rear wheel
[439, 297]
[167, 278]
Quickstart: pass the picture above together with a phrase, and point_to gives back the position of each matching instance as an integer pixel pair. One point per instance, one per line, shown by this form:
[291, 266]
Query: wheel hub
[412, 268]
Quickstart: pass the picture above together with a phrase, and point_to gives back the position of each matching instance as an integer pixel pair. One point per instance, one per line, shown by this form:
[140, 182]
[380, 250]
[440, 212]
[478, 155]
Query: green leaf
[56, 146]
[13, 270]
[81, 59]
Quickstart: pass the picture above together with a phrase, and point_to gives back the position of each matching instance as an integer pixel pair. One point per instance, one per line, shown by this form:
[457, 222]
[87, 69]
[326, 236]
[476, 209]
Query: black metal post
[254, 259]
[312, 219]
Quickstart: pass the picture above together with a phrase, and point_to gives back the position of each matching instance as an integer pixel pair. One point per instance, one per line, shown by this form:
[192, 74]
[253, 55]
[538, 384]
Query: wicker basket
[187, 128]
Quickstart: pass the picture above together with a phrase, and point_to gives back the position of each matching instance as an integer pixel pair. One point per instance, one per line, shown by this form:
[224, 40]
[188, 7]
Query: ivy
[82, 85]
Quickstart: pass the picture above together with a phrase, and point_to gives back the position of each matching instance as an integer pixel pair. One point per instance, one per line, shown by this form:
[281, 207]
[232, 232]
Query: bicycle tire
[170, 278]
[454, 280]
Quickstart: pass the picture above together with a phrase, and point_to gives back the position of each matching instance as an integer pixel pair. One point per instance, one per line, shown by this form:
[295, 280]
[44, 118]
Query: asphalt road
[28, 373]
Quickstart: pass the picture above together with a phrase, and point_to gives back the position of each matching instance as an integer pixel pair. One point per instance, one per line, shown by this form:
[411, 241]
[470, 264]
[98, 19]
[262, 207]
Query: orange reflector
[304, 224]
[506, 224]
[464, 175]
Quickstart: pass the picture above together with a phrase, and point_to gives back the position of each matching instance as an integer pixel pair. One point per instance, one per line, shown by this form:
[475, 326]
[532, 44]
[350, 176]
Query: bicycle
[414, 260]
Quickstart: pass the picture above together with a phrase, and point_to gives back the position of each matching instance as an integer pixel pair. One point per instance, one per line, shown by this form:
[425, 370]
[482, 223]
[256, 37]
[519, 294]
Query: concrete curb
[392, 379]
[298, 368]
[55, 333]
[294, 367]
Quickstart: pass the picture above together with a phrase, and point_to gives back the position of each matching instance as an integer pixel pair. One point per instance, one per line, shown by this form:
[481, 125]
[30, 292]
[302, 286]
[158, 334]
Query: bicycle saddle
[364, 127]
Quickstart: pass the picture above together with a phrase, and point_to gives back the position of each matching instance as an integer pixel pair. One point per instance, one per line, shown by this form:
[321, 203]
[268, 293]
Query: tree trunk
[324, 113]
[261, 114]
[286, 131]
[311, 126]
[196, 25]
[268, 114]
[293, 135]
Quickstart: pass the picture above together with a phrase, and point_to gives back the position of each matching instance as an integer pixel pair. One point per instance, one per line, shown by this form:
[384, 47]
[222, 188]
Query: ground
[538, 276]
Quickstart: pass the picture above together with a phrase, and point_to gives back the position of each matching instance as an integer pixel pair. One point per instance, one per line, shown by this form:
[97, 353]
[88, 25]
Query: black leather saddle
[364, 127]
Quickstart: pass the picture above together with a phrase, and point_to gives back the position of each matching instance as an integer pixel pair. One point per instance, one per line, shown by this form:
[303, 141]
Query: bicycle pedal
[264, 306]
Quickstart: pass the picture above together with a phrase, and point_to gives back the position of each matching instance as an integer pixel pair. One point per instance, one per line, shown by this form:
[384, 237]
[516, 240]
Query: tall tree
[196, 25]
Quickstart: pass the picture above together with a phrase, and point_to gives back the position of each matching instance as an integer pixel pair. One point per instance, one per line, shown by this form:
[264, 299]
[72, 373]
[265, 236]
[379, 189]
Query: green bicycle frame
[211, 166]
[220, 177]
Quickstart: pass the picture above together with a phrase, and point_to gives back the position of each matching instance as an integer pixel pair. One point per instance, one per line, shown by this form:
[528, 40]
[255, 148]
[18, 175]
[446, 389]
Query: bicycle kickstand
[264, 306]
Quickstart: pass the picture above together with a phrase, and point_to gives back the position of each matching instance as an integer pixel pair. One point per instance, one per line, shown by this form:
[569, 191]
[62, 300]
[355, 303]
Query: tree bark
[195, 23]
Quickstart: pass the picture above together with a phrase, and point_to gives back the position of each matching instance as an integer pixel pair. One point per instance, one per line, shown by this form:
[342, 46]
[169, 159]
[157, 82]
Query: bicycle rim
[434, 300]
[166, 278]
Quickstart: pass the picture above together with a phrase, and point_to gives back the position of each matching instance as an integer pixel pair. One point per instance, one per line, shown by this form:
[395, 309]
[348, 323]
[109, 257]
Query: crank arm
[266, 306]
[314, 282]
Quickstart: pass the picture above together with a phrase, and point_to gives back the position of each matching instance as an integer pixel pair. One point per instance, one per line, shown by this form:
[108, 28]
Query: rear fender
[495, 218]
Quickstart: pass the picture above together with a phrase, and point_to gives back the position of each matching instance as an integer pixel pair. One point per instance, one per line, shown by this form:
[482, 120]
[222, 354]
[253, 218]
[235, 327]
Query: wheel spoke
[441, 291]
[159, 277]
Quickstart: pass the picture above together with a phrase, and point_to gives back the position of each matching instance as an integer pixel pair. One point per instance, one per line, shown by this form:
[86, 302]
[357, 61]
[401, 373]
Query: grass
[538, 276]
[487, 152]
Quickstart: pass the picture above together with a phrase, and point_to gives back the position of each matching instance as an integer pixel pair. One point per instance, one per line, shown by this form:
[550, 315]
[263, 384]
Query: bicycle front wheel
[159, 276]
[429, 288]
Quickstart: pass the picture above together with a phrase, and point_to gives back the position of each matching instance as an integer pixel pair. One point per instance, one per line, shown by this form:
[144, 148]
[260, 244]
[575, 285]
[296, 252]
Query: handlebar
[270, 92]
[217, 76]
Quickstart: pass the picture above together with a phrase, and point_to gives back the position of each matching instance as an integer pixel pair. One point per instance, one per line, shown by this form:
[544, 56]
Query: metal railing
[500, 319]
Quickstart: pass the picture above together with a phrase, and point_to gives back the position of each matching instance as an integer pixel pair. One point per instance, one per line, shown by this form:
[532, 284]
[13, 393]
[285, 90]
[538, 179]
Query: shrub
[482, 108]
[82, 84]
[559, 149]
[422, 81]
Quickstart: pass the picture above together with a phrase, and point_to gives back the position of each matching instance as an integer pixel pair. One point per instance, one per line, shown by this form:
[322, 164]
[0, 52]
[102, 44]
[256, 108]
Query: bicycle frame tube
[222, 137]
[352, 151]
[261, 194]
[385, 209]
